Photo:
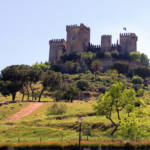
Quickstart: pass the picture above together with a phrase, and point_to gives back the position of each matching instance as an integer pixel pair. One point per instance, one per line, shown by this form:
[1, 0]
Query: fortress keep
[78, 40]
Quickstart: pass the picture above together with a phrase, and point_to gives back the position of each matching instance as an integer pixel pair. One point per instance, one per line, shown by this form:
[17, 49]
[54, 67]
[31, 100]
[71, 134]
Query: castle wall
[78, 38]
[106, 42]
[128, 42]
[57, 48]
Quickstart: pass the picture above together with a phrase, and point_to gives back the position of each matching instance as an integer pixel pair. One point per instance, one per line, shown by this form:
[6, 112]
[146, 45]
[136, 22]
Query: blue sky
[26, 26]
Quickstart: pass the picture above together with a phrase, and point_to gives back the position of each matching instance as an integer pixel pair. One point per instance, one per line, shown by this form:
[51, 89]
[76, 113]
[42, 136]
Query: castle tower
[128, 42]
[106, 42]
[57, 48]
[78, 38]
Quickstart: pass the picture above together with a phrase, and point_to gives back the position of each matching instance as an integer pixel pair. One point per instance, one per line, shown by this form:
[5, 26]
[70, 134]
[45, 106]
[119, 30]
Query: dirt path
[24, 112]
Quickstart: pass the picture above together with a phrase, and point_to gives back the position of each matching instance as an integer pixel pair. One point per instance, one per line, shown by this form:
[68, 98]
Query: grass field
[40, 127]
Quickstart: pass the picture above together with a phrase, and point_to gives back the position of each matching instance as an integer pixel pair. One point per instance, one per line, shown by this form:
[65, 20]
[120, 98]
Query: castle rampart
[78, 40]
[106, 42]
[57, 48]
[128, 42]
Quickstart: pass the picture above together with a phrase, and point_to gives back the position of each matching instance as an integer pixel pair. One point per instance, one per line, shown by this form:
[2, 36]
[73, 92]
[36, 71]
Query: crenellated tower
[128, 42]
[57, 48]
[106, 42]
[78, 38]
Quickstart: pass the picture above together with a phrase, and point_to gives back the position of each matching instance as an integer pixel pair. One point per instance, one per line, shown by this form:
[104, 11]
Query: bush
[83, 85]
[107, 55]
[56, 109]
[137, 80]
[115, 54]
[143, 72]
[121, 67]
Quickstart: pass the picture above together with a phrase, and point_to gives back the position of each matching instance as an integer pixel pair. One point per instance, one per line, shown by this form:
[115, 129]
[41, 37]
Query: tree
[142, 71]
[13, 79]
[114, 101]
[107, 55]
[137, 80]
[51, 80]
[70, 92]
[115, 54]
[135, 56]
[144, 60]
[70, 66]
[121, 67]
[133, 127]
[83, 85]
[96, 65]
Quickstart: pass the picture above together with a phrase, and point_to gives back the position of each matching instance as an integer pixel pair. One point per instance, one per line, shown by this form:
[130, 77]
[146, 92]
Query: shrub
[115, 54]
[121, 67]
[56, 109]
[143, 72]
[137, 80]
[107, 55]
[83, 85]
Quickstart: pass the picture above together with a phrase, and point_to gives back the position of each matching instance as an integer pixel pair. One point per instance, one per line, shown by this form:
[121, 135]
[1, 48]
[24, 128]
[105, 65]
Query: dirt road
[24, 112]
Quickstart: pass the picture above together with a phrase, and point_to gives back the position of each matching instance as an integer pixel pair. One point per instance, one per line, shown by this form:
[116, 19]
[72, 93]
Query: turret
[57, 48]
[128, 42]
[106, 42]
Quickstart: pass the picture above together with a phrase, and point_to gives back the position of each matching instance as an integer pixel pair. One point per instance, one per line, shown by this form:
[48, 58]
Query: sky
[26, 26]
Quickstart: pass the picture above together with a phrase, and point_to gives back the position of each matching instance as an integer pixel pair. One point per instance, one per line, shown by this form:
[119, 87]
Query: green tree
[115, 54]
[96, 65]
[135, 56]
[49, 80]
[107, 55]
[142, 71]
[133, 127]
[144, 59]
[70, 92]
[13, 79]
[114, 101]
[121, 67]
[137, 80]
[83, 85]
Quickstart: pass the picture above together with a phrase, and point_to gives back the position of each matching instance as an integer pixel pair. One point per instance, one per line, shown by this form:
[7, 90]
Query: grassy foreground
[38, 127]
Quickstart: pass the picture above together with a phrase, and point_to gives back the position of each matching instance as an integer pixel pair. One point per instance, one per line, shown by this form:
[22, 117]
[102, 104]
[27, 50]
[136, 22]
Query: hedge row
[74, 146]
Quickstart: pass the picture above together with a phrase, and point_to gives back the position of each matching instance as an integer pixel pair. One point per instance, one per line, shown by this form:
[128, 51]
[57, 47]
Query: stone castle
[78, 40]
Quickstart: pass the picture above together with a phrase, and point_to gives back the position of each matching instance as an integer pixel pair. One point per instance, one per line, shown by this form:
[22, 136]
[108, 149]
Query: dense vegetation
[121, 91]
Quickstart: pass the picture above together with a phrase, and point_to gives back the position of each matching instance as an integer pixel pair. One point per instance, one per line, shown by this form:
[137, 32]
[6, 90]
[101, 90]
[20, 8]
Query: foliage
[56, 109]
[96, 65]
[142, 71]
[121, 67]
[135, 56]
[115, 100]
[51, 80]
[83, 85]
[144, 59]
[133, 128]
[137, 80]
[115, 54]
[107, 55]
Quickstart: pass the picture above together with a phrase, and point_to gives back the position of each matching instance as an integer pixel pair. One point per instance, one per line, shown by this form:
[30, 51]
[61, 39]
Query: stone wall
[128, 42]
[78, 38]
[57, 48]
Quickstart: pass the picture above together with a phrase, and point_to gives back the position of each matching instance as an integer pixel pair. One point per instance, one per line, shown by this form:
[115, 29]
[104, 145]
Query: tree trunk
[41, 94]
[22, 96]
[32, 91]
[13, 96]
[28, 93]
[114, 130]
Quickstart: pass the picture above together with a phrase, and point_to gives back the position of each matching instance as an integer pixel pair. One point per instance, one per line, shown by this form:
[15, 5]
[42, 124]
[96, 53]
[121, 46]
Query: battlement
[106, 36]
[127, 34]
[56, 41]
[75, 26]
[94, 46]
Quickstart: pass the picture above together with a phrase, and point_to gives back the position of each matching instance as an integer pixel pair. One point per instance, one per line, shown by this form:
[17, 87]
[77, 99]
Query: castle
[78, 40]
